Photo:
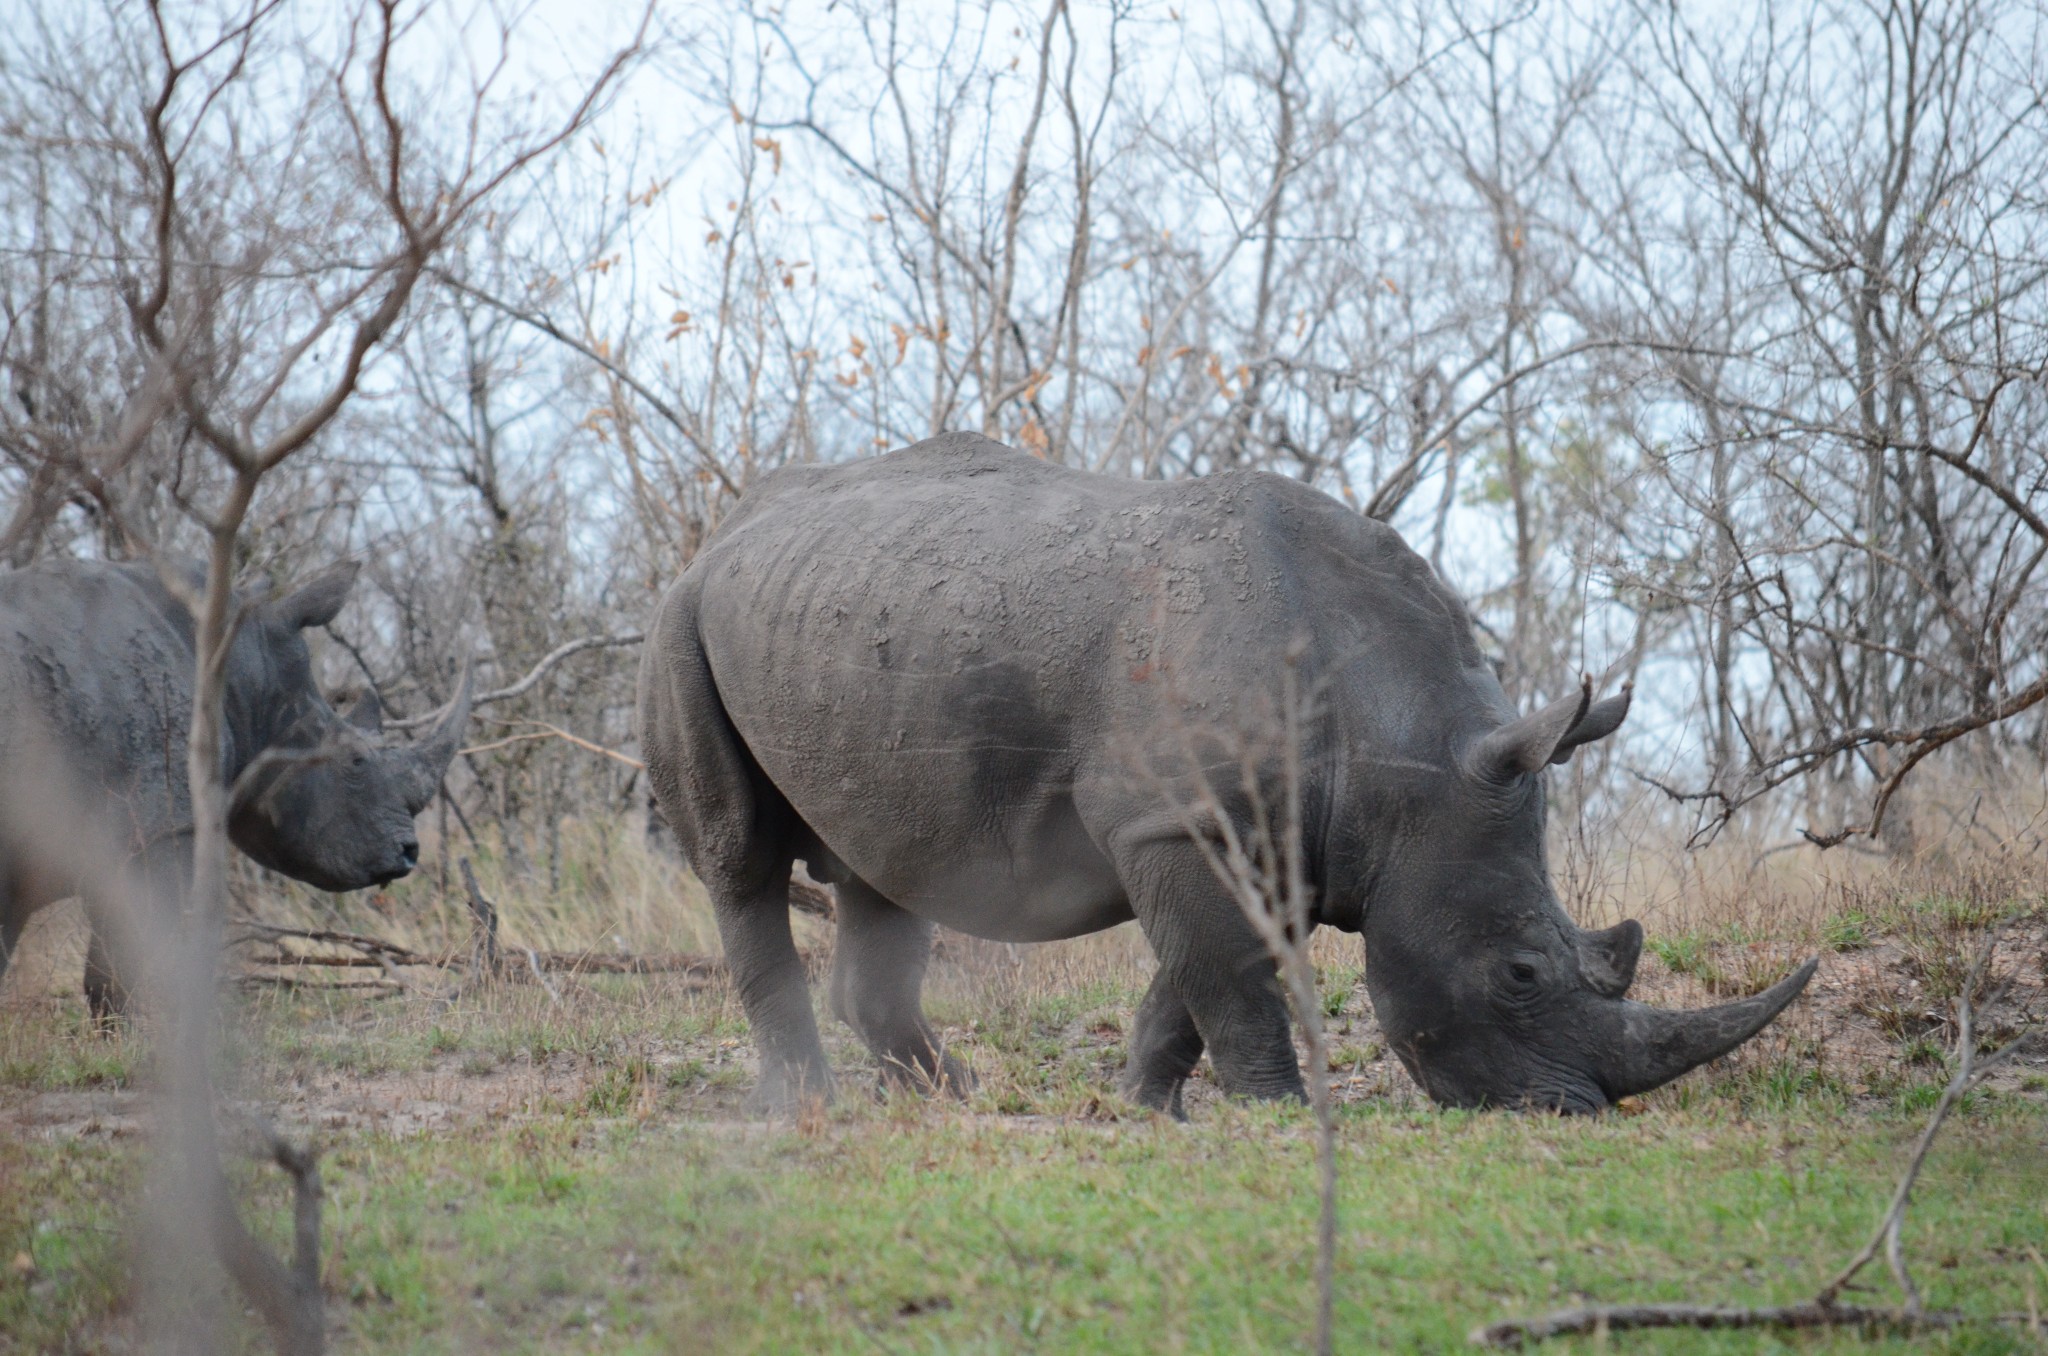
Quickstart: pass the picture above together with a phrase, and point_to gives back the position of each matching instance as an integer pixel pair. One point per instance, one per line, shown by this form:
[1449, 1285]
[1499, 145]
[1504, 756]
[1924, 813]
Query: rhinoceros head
[326, 800]
[1489, 994]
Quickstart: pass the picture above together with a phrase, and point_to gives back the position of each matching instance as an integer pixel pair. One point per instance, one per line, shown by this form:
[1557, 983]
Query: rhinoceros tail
[726, 815]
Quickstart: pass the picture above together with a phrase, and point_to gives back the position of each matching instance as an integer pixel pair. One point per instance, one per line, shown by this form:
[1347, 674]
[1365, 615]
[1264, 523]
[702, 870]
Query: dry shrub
[1977, 829]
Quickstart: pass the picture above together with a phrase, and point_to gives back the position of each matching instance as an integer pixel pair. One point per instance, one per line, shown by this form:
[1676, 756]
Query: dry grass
[612, 893]
[1043, 1026]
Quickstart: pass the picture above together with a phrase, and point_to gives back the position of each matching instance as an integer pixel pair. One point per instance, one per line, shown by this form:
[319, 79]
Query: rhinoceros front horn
[427, 761]
[1657, 1045]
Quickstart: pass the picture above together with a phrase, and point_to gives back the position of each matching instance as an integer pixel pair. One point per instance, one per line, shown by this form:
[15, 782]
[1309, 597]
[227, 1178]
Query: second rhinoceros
[96, 671]
[935, 676]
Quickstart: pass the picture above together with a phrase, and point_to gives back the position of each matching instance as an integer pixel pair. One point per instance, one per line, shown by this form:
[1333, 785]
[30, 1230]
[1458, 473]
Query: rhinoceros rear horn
[428, 759]
[1657, 1045]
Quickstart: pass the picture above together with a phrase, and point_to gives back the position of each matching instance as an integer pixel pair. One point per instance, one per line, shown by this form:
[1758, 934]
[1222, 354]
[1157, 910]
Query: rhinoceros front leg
[159, 879]
[1165, 1047]
[1217, 967]
[753, 925]
[878, 970]
[10, 931]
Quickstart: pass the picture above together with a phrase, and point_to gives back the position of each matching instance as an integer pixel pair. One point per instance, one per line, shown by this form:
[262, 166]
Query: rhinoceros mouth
[408, 860]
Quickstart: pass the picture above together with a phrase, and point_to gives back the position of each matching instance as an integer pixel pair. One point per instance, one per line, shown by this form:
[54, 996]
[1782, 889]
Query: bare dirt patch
[1873, 1024]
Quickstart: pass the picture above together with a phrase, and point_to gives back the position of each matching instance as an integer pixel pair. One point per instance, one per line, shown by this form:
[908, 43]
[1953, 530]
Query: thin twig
[1968, 1070]
[547, 731]
[487, 958]
[1262, 866]
[533, 675]
[533, 962]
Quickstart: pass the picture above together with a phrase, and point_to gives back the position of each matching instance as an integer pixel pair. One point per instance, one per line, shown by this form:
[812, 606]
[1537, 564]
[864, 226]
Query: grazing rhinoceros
[931, 675]
[96, 667]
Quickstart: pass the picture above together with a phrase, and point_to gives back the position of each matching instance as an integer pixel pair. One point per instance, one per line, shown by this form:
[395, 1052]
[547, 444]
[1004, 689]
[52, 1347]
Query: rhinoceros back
[934, 654]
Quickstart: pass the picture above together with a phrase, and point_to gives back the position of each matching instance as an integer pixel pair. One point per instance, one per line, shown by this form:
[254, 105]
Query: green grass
[95, 1062]
[598, 1189]
[1687, 954]
[904, 1227]
[1849, 930]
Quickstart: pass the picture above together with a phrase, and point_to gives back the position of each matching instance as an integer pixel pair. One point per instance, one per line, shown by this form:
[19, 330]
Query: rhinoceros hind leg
[10, 931]
[736, 831]
[753, 925]
[1216, 964]
[18, 903]
[878, 970]
[1165, 1047]
[106, 997]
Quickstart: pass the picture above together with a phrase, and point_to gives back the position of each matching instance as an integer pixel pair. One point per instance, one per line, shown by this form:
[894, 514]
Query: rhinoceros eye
[1522, 977]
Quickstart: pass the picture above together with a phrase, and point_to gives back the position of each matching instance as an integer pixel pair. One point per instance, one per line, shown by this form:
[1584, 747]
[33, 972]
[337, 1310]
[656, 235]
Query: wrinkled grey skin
[96, 665]
[931, 675]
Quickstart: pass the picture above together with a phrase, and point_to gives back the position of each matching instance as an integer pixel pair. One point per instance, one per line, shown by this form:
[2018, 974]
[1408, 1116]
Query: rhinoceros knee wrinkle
[984, 687]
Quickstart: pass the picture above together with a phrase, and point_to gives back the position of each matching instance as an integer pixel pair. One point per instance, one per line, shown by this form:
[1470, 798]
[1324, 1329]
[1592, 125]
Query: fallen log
[374, 953]
[296, 985]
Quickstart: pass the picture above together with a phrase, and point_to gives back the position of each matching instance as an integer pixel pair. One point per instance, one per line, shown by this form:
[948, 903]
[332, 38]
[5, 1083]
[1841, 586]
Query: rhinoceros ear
[367, 713]
[1524, 746]
[1602, 719]
[317, 601]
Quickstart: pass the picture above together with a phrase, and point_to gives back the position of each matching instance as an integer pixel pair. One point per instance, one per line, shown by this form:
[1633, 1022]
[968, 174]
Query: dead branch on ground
[376, 953]
[376, 988]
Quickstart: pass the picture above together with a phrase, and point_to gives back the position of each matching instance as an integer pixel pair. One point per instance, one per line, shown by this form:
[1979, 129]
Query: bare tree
[248, 318]
[1859, 465]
